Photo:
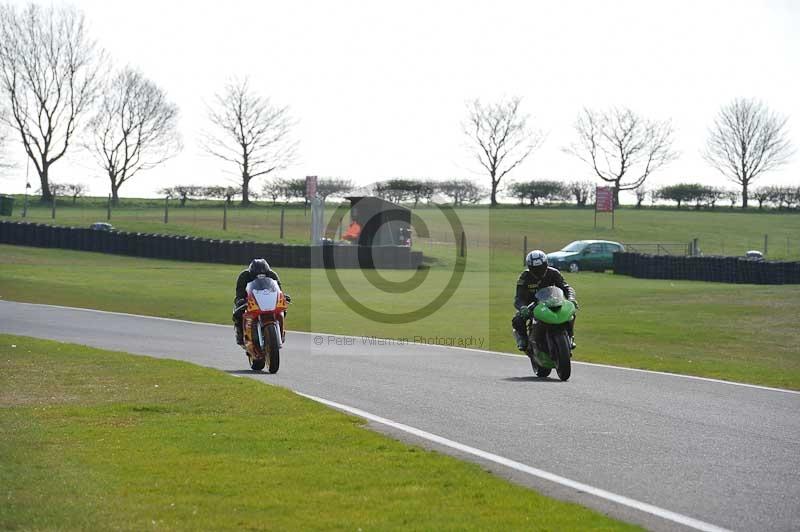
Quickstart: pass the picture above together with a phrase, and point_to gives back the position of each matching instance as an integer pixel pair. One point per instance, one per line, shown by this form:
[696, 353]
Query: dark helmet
[258, 267]
[536, 261]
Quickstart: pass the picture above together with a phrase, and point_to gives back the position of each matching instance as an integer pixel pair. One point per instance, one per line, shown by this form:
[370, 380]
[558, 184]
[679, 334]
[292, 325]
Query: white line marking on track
[496, 353]
[518, 466]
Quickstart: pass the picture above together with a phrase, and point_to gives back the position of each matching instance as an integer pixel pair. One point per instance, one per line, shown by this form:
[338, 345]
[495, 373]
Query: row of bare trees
[183, 193]
[400, 190]
[538, 191]
[459, 191]
[57, 84]
[624, 148]
[73, 190]
[781, 197]
[59, 91]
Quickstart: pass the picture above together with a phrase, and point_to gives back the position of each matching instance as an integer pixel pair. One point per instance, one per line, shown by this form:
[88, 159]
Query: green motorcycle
[552, 313]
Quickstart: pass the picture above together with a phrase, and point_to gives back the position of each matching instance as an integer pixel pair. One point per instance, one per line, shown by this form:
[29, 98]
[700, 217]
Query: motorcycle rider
[257, 267]
[537, 275]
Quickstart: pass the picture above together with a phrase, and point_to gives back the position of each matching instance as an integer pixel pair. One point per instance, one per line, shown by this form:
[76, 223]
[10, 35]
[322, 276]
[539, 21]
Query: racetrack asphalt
[664, 451]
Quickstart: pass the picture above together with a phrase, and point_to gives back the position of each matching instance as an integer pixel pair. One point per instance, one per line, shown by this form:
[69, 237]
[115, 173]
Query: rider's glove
[288, 298]
[575, 302]
[525, 313]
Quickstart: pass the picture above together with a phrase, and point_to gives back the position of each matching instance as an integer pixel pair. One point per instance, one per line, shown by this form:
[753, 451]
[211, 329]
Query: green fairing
[554, 316]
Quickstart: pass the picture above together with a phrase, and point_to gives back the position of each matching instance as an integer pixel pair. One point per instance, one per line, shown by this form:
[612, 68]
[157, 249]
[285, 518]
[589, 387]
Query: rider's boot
[522, 340]
[239, 334]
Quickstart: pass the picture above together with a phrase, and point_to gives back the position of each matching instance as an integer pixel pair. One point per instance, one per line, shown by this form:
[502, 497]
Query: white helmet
[536, 261]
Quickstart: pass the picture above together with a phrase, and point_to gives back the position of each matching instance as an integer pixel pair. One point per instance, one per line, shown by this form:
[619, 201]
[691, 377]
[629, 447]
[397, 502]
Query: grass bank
[743, 333]
[501, 230]
[98, 440]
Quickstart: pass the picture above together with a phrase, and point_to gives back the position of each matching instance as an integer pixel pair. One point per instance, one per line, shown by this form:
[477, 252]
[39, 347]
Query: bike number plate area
[266, 299]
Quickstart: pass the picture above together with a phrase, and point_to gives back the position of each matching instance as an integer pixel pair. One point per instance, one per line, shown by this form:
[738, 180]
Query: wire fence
[276, 224]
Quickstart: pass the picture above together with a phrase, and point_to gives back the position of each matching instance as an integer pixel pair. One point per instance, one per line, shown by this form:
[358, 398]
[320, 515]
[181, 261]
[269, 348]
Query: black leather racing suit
[528, 285]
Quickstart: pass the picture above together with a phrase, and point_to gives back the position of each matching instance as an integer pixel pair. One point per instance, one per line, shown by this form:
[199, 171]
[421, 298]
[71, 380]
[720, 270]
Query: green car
[596, 255]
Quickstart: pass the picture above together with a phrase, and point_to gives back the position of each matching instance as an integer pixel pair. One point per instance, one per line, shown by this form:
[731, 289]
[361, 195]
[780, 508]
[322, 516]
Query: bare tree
[251, 133]
[134, 129]
[332, 187]
[501, 138]
[713, 195]
[49, 72]
[641, 195]
[746, 140]
[293, 189]
[461, 191]
[732, 196]
[4, 162]
[762, 194]
[395, 190]
[273, 188]
[183, 192]
[539, 190]
[581, 190]
[622, 147]
[76, 190]
[55, 189]
[226, 193]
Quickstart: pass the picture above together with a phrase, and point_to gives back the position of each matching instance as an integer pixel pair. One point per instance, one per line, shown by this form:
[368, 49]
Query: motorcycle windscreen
[265, 292]
[552, 296]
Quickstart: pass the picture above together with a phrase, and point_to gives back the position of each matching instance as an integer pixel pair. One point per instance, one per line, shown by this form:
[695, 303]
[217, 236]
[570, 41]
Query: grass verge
[99, 440]
[720, 232]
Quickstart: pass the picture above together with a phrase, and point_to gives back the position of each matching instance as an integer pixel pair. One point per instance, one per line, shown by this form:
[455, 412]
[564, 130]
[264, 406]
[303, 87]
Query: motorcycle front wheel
[561, 355]
[273, 346]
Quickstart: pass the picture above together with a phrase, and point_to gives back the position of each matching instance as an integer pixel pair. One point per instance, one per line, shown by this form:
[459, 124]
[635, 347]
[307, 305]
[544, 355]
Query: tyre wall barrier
[196, 249]
[713, 269]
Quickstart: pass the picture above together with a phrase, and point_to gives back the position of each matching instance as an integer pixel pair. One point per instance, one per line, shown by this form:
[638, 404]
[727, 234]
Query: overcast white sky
[379, 88]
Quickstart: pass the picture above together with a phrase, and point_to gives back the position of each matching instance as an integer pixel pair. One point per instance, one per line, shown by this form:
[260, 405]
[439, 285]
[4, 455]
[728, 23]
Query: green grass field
[498, 232]
[98, 440]
[173, 456]
[744, 333]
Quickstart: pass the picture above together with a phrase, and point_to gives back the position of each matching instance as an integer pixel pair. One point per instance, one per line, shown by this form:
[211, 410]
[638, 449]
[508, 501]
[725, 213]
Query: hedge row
[717, 269]
[172, 247]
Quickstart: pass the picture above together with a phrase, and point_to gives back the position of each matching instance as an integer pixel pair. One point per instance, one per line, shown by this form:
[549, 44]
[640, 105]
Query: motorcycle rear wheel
[537, 369]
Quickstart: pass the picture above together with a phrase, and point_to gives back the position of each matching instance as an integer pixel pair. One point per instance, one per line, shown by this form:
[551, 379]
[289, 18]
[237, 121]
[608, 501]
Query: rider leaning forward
[538, 275]
[257, 267]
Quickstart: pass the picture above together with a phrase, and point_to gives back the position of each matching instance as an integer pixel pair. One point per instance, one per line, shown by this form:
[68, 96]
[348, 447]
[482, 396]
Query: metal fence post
[225, 216]
[166, 209]
[108, 209]
[524, 248]
[53, 214]
[766, 241]
[283, 210]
